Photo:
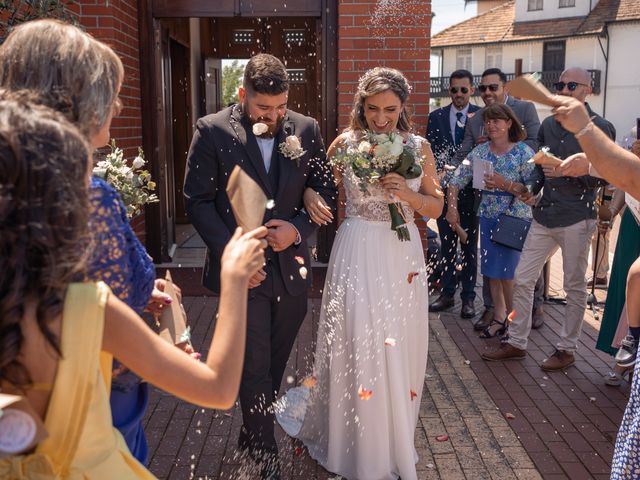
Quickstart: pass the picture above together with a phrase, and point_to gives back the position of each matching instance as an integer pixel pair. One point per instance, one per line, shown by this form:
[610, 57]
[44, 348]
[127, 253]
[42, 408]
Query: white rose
[381, 150]
[398, 140]
[381, 138]
[293, 143]
[260, 128]
[138, 162]
[395, 149]
[364, 147]
[100, 172]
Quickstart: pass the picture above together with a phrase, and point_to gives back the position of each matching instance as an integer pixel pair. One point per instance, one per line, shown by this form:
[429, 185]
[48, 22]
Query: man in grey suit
[259, 135]
[492, 90]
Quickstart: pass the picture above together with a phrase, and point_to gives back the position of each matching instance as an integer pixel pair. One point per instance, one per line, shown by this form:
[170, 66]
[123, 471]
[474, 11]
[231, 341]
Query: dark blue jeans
[469, 251]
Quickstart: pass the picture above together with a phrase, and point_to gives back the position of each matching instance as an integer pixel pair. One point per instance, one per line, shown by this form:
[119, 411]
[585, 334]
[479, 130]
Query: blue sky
[447, 13]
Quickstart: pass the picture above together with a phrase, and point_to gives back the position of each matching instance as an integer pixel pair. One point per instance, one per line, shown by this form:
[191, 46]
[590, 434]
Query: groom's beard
[273, 127]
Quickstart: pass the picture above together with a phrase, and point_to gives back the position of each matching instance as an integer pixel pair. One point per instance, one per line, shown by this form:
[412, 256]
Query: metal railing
[439, 86]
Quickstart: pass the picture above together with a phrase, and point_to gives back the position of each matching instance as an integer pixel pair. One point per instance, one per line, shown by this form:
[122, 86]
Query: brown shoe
[505, 352]
[537, 317]
[485, 319]
[558, 361]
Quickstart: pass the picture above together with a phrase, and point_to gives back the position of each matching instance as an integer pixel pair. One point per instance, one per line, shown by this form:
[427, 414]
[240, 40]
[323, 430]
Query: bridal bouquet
[132, 182]
[374, 157]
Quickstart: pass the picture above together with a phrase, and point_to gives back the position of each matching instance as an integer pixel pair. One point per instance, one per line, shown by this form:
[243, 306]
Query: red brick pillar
[116, 23]
[389, 33]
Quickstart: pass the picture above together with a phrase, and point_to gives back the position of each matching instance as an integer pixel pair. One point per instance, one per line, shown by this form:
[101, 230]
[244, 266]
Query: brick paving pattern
[564, 423]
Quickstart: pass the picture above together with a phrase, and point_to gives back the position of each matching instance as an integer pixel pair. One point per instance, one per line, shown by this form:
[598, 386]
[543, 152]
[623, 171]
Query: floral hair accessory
[292, 149]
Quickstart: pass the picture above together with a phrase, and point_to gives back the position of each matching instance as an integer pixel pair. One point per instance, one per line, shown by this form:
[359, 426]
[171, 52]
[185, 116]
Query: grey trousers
[542, 243]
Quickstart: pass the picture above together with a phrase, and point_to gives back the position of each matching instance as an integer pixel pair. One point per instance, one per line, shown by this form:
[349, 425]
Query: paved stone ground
[567, 421]
[564, 425]
[189, 442]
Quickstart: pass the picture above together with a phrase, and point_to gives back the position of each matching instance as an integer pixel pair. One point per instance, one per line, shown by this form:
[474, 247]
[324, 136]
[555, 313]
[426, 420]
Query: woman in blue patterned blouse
[509, 157]
[88, 75]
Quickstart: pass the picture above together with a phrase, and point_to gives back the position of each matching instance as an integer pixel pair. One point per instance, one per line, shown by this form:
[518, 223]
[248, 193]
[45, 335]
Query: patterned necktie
[459, 132]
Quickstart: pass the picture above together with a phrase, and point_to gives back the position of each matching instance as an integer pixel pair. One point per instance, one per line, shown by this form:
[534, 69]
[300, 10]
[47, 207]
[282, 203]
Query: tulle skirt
[359, 418]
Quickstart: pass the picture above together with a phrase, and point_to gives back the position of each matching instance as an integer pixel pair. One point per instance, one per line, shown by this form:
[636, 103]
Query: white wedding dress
[372, 339]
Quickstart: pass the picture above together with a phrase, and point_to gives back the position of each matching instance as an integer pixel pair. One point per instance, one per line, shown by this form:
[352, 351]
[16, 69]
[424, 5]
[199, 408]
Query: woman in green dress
[627, 251]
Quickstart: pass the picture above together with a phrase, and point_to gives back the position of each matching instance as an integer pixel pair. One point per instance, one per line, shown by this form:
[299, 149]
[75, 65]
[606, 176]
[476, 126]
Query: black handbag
[510, 231]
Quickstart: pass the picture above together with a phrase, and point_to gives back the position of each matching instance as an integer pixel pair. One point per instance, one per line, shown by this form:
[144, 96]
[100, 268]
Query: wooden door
[180, 122]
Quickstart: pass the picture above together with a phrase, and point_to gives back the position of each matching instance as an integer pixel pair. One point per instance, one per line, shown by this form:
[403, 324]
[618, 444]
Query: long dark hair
[44, 167]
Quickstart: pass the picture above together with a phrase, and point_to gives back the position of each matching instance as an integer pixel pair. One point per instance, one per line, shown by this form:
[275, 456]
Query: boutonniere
[291, 148]
[259, 128]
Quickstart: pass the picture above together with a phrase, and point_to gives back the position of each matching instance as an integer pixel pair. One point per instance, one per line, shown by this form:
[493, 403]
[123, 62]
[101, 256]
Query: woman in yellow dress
[57, 337]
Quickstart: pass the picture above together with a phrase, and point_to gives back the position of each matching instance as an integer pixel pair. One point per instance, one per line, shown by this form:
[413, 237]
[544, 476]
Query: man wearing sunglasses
[492, 90]
[564, 216]
[445, 131]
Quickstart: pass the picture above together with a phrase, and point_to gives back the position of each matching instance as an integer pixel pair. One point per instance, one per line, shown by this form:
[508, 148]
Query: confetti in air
[512, 315]
[309, 382]
[303, 272]
[390, 342]
[411, 276]
[299, 259]
[270, 204]
[364, 394]
[413, 395]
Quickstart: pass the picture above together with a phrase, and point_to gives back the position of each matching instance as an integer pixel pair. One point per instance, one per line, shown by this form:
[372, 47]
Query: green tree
[231, 80]
[13, 12]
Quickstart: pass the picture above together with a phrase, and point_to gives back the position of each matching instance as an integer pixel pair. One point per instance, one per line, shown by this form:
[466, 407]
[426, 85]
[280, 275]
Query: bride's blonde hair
[375, 81]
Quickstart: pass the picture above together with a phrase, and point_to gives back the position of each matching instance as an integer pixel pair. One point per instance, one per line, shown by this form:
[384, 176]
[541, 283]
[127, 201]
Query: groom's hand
[281, 234]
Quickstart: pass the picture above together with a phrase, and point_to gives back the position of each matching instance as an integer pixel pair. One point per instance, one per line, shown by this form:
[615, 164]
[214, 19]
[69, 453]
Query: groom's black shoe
[442, 303]
[468, 310]
[244, 441]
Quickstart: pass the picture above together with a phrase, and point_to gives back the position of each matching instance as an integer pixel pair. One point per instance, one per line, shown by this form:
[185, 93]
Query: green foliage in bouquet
[377, 155]
[132, 182]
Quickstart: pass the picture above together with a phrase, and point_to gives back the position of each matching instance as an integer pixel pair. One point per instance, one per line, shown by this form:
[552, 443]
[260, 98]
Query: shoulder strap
[77, 374]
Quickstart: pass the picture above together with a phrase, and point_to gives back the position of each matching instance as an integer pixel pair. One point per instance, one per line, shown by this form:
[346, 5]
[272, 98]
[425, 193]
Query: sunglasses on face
[454, 90]
[571, 86]
[493, 87]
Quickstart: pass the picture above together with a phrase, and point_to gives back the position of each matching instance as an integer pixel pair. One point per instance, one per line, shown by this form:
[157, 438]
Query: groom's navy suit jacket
[224, 140]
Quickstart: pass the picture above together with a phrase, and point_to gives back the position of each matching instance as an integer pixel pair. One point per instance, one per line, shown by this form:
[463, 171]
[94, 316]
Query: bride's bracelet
[422, 204]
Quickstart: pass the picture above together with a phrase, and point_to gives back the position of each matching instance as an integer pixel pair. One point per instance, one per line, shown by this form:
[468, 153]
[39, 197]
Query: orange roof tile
[497, 25]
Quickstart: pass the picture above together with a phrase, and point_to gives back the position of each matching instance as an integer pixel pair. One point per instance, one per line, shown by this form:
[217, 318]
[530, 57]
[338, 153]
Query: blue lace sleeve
[118, 257]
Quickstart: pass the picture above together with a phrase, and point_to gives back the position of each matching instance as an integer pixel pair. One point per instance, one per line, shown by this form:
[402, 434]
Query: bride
[357, 414]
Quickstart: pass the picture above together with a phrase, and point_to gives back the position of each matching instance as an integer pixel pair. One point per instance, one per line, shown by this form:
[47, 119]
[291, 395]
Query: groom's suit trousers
[273, 320]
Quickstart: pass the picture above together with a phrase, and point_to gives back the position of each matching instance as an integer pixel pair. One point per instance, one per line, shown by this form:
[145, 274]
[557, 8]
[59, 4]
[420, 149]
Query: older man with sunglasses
[445, 132]
[492, 90]
[564, 216]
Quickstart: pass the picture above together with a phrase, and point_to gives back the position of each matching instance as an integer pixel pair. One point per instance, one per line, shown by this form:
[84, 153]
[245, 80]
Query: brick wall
[115, 22]
[389, 33]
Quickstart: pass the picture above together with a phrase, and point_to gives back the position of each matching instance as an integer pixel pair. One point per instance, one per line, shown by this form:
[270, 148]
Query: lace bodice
[373, 205]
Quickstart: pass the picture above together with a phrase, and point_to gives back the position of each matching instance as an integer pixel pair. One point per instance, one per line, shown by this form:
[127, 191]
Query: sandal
[488, 333]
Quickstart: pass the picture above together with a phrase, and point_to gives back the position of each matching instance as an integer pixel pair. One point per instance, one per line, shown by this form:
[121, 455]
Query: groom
[259, 134]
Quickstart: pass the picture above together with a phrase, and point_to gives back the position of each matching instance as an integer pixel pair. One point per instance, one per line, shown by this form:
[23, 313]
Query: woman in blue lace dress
[88, 77]
[508, 156]
[120, 260]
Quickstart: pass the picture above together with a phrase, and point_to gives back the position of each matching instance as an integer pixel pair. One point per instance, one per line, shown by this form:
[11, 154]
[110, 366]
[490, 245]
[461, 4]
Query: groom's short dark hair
[265, 74]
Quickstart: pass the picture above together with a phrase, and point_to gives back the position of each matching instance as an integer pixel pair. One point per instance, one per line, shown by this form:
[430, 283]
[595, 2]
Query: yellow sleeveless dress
[82, 443]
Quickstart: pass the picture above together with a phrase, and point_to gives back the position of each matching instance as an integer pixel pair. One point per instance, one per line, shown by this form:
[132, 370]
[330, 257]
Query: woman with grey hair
[357, 413]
